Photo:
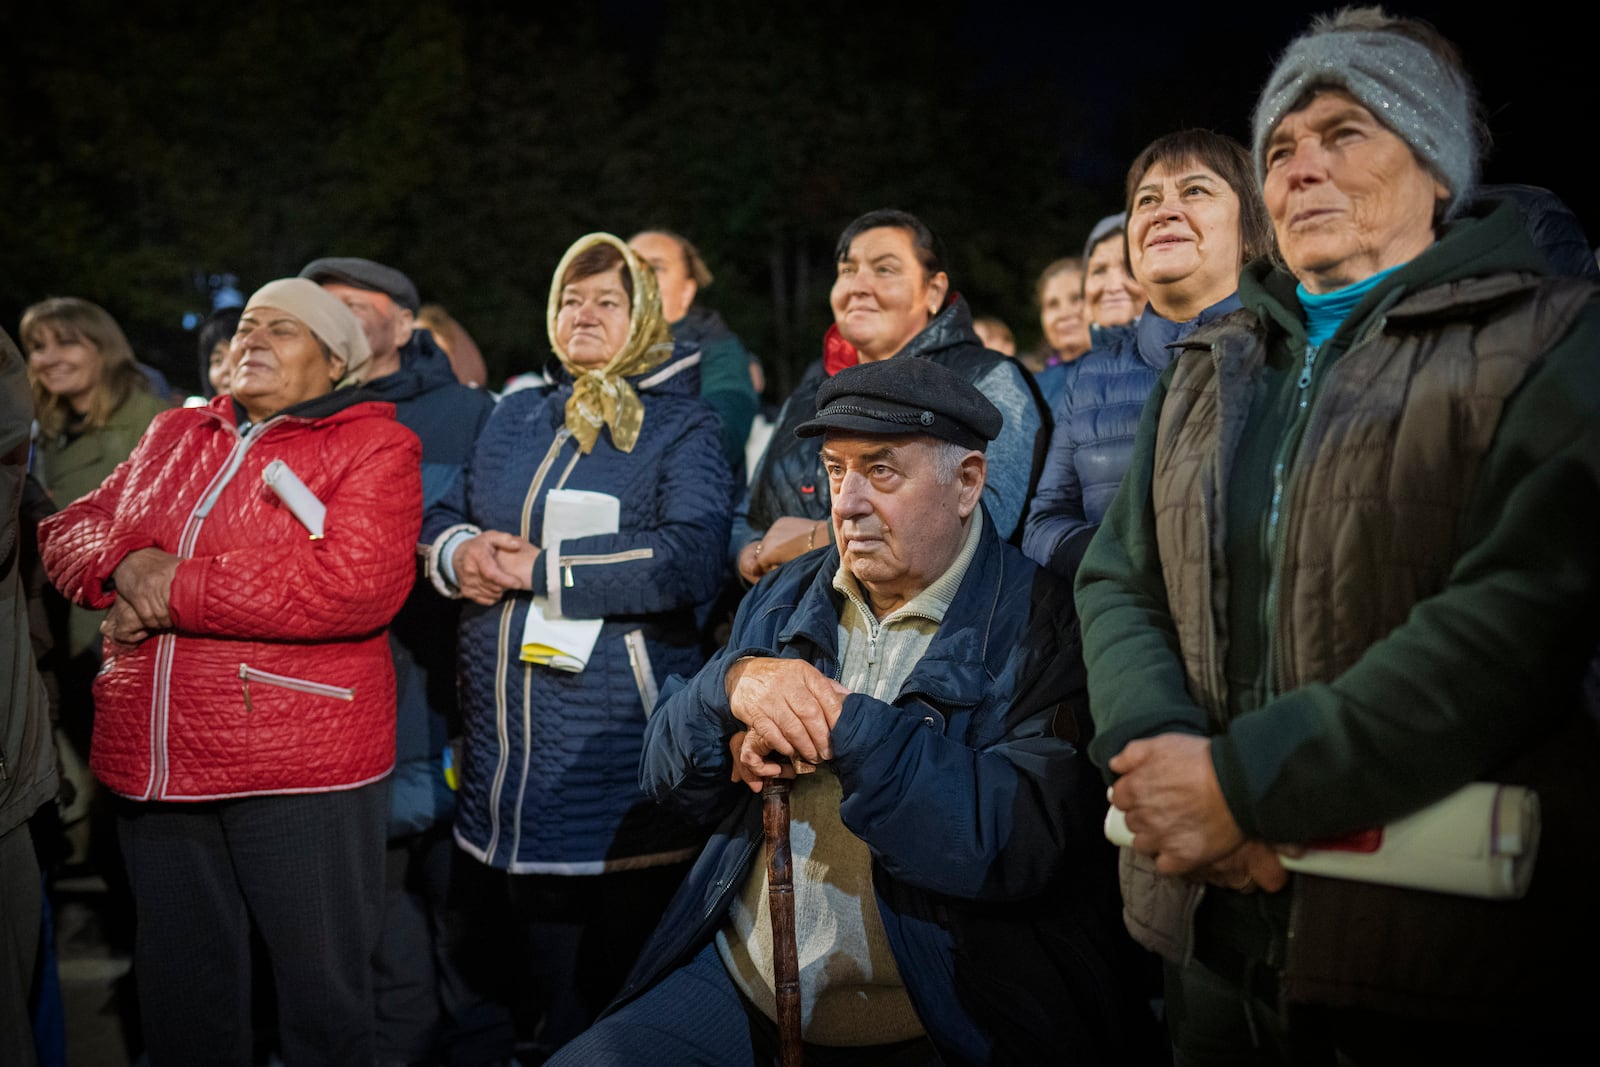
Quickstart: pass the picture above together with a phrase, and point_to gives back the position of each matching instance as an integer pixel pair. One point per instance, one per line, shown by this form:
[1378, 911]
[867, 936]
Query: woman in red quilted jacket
[245, 703]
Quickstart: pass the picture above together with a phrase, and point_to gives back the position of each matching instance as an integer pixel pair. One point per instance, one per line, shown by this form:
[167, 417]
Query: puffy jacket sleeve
[349, 583]
[686, 762]
[82, 544]
[1011, 455]
[995, 814]
[1136, 681]
[1058, 530]
[678, 560]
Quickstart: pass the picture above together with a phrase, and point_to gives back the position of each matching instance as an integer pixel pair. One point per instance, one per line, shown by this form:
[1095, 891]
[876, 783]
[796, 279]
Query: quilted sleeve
[679, 562]
[349, 583]
[1009, 804]
[82, 544]
[1058, 529]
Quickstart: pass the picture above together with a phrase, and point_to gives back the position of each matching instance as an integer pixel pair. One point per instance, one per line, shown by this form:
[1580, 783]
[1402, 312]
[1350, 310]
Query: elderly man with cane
[951, 898]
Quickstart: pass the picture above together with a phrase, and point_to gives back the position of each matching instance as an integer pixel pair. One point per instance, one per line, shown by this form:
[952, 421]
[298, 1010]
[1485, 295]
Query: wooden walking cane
[780, 905]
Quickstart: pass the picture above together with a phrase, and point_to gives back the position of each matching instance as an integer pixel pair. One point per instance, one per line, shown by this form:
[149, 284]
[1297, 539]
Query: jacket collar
[424, 367]
[1491, 239]
[1155, 335]
[962, 659]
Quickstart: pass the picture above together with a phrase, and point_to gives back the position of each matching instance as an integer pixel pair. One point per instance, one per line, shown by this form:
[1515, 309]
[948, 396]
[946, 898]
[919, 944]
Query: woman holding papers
[589, 528]
[1352, 568]
[245, 705]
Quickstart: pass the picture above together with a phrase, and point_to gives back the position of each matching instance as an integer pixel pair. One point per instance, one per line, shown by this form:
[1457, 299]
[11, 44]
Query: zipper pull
[1305, 371]
[566, 575]
[244, 678]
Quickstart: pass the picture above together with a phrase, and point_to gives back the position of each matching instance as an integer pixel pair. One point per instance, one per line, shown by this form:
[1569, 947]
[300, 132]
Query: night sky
[1161, 66]
[136, 173]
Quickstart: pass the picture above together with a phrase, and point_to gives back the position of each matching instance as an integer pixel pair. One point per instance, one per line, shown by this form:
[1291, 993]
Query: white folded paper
[1480, 841]
[549, 638]
[302, 502]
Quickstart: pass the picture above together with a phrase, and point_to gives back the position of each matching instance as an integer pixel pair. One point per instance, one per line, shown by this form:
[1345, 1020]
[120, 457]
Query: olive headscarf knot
[603, 396]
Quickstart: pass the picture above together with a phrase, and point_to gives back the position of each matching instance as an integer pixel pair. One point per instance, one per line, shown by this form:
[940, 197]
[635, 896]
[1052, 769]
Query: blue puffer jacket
[549, 784]
[1093, 437]
[992, 877]
[447, 417]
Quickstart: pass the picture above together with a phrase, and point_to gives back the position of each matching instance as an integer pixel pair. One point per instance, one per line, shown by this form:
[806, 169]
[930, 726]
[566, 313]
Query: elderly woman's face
[593, 320]
[1110, 293]
[1183, 235]
[883, 296]
[277, 363]
[1347, 196]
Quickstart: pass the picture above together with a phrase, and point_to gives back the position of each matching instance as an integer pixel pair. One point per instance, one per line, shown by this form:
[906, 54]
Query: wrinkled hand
[788, 537]
[1253, 865]
[753, 763]
[122, 624]
[1168, 789]
[479, 575]
[144, 583]
[788, 704]
[519, 563]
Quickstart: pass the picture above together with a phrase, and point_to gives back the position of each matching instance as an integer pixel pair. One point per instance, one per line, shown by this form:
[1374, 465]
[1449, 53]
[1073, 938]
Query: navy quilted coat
[277, 676]
[1093, 437]
[550, 782]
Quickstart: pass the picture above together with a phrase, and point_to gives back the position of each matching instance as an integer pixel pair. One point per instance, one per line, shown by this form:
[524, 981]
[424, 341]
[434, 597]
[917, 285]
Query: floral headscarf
[603, 397]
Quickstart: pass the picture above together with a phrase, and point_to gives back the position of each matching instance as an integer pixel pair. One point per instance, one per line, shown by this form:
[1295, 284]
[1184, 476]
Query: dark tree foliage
[152, 150]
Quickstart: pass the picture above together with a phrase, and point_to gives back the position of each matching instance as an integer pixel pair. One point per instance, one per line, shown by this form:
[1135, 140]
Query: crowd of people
[606, 719]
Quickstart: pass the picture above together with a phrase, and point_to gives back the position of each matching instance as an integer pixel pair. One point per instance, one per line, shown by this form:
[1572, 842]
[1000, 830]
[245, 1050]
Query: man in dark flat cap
[420, 994]
[919, 678]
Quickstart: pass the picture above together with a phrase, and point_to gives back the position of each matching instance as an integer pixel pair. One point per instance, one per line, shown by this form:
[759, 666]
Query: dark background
[151, 155]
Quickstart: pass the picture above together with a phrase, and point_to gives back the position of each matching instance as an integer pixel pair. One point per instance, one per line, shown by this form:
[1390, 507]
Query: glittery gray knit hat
[1398, 79]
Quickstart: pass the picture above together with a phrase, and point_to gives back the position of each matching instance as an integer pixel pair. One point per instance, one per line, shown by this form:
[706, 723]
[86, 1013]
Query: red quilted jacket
[277, 676]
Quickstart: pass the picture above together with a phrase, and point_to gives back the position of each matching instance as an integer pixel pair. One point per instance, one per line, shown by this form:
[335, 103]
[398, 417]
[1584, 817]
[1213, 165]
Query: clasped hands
[142, 606]
[788, 537]
[788, 709]
[1174, 806]
[493, 562]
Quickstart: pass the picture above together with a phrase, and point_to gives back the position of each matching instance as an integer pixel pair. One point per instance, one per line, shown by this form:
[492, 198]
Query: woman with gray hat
[1112, 296]
[1352, 570]
[251, 553]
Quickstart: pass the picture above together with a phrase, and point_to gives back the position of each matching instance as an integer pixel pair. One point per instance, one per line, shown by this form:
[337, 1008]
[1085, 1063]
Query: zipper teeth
[566, 563]
[608, 557]
[502, 717]
[527, 759]
[1280, 486]
[160, 772]
[248, 674]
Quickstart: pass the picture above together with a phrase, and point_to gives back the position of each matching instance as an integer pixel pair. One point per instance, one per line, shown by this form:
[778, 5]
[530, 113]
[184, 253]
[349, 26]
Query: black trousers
[433, 1004]
[306, 871]
[576, 938]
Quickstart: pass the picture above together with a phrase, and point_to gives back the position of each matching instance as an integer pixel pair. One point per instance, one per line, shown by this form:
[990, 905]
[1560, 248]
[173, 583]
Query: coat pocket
[248, 674]
[644, 676]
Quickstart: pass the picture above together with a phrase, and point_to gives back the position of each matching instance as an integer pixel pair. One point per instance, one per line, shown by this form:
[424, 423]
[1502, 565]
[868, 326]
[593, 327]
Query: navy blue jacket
[993, 880]
[1095, 424]
[447, 417]
[549, 784]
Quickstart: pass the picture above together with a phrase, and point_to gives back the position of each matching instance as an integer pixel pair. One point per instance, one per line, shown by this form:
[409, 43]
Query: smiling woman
[1193, 218]
[1353, 569]
[245, 698]
[291, 347]
[891, 299]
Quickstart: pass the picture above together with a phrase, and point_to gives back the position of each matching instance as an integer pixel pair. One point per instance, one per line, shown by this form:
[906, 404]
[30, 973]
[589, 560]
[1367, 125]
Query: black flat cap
[364, 274]
[904, 395]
